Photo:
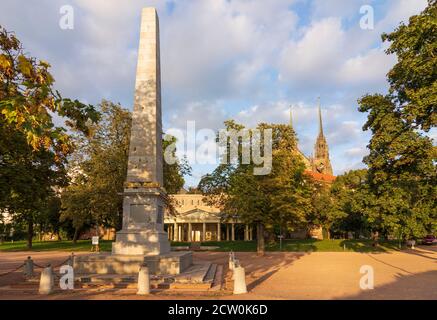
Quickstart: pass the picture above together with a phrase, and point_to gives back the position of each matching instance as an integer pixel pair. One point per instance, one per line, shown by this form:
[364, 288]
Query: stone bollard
[46, 281]
[231, 260]
[143, 281]
[235, 264]
[28, 267]
[239, 281]
[71, 261]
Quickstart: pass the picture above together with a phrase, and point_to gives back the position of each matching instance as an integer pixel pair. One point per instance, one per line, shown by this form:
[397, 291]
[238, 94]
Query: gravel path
[410, 274]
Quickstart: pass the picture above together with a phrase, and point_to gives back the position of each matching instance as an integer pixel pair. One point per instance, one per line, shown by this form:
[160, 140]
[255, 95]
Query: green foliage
[349, 198]
[402, 177]
[280, 198]
[27, 100]
[174, 173]
[98, 170]
[414, 77]
[33, 150]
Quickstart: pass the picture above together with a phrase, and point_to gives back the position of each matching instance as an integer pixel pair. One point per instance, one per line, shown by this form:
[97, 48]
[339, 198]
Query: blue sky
[221, 59]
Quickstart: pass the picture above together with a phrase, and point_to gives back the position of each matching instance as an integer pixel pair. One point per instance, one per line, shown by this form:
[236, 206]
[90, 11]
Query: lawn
[238, 246]
[81, 245]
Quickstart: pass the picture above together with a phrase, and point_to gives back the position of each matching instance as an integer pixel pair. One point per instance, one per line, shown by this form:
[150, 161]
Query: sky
[226, 59]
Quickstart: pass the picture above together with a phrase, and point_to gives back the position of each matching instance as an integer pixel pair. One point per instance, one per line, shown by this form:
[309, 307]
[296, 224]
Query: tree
[413, 79]
[27, 100]
[174, 172]
[402, 178]
[402, 175]
[279, 198]
[322, 212]
[98, 169]
[33, 150]
[349, 198]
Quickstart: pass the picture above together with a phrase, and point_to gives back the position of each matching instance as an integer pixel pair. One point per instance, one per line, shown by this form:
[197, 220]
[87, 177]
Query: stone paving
[410, 274]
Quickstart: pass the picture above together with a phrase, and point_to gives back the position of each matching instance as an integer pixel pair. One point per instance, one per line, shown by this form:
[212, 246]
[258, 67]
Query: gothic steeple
[320, 118]
[321, 162]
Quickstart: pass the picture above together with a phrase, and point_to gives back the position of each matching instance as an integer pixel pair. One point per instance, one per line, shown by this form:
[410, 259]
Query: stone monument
[144, 198]
[142, 238]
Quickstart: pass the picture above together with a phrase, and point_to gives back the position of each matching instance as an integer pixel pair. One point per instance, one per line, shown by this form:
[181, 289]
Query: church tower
[320, 161]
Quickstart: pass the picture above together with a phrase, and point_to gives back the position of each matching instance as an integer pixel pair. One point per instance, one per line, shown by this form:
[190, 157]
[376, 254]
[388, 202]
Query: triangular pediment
[197, 214]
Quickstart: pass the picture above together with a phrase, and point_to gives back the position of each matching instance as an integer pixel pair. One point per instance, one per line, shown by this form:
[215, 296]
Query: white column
[203, 231]
[189, 232]
[175, 232]
[246, 232]
[218, 232]
[227, 231]
[233, 232]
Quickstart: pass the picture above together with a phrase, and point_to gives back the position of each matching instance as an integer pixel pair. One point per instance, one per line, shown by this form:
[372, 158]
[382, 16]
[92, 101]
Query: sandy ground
[410, 274]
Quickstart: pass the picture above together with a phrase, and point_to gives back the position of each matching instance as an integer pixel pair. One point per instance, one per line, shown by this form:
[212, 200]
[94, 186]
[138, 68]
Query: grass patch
[335, 245]
[238, 246]
[306, 245]
[81, 245]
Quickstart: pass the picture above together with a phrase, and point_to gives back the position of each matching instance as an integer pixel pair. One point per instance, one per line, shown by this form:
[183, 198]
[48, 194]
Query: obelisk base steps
[172, 263]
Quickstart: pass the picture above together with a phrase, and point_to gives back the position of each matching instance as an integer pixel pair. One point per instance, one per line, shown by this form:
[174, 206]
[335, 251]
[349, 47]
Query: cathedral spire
[320, 161]
[320, 118]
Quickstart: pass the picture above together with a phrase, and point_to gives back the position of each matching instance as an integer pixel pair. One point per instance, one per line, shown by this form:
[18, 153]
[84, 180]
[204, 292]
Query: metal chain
[35, 265]
[38, 266]
[56, 266]
[12, 271]
[62, 263]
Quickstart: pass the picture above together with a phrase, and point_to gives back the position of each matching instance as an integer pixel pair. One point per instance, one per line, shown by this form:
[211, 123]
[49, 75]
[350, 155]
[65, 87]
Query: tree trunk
[29, 231]
[328, 234]
[75, 236]
[260, 239]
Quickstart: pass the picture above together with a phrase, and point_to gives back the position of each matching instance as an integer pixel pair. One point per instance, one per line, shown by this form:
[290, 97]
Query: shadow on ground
[405, 287]
[258, 268]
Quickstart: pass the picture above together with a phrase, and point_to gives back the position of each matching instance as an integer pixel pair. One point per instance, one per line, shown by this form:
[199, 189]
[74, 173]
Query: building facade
[197, 221]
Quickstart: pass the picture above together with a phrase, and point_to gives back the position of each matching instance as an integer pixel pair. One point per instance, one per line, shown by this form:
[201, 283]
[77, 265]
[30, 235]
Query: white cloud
[401, 10]
[205, 114]
[216, 48]
[315, 56]
[222, 59]
[366, 69]
[356, 152]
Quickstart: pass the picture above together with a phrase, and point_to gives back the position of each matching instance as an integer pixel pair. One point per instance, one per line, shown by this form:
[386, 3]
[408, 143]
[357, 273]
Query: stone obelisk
[144, 197]
[142, 240]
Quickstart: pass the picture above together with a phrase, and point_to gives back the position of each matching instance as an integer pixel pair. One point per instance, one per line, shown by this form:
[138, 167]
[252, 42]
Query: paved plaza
[410, 274]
